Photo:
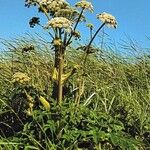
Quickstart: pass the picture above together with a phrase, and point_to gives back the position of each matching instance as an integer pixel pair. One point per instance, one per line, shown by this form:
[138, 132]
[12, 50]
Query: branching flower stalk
[81, 13]
[84, 58]
[61, 54]
[63, 21]
[59, 25]
[44, 10]
[107, 20]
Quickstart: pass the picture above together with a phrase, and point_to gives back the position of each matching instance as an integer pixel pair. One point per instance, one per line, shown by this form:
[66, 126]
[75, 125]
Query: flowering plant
[63, 20]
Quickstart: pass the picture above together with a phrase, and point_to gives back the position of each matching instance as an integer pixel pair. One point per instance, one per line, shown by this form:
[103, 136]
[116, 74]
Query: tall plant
[62, 23]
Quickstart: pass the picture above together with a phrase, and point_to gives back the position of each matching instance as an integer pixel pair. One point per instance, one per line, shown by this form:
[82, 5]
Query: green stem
[44, 29]
[44, 10]
[88, 46]
[68, 42]
[92, 39]
[60, 73]
[60, 70]
[91, 33]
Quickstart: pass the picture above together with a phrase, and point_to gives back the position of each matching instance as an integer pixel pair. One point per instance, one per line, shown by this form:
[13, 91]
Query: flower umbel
[84, 5]
[55, 5]
[57, 42]
[52, 6]
[48, 6]
[20, 77]
[59, 22]
[108, 19]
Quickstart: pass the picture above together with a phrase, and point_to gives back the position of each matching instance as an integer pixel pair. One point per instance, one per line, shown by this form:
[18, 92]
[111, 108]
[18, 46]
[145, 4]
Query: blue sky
[132, 16]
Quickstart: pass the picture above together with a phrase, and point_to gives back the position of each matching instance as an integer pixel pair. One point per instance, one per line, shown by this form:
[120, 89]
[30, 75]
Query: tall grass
[113, 86]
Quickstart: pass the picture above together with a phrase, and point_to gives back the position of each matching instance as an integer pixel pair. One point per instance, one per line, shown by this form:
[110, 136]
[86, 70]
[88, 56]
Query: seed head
[28, 3]
[52, 6]
[34, 21]
[76, 34]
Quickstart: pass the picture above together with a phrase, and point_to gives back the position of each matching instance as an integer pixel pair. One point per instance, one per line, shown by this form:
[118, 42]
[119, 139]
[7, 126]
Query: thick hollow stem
[56, 65]
[60, 73]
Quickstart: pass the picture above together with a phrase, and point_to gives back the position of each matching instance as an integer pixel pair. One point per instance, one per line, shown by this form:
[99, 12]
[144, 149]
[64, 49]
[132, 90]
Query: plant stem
[68, 42]
[88, 46]
[91, 33]
[60, 73]
[92, 39]
[84, 58]
[44, 10]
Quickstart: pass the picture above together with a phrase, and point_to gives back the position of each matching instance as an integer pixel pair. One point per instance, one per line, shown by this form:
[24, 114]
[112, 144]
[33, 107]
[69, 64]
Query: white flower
[42, 2]
[84, 5]
[108, 19]
[55, 5]
[59, 22]
[20, 77]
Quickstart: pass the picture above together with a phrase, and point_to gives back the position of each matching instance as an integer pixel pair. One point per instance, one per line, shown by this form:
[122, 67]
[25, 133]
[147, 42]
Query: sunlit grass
[114, 86]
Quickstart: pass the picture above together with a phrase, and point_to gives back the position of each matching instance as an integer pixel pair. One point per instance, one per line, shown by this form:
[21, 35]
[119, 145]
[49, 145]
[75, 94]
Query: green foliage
[71, 127]
[113, 112]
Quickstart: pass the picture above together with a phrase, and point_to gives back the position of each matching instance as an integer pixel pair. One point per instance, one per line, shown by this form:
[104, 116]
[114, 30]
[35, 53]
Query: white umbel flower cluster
[20, 77]
[53, 5]
[42, 1]
[59, 22]
[84, 5]
[108, 19]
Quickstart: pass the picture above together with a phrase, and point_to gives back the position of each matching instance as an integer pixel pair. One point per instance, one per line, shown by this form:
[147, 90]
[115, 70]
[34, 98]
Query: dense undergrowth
[114, 107]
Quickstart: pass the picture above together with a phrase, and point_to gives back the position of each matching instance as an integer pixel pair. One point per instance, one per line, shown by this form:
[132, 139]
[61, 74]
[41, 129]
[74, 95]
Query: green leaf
[31, 148]
[124, 142]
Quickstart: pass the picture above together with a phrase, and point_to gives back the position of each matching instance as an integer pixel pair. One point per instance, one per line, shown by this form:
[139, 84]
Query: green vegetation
[114, 107]
[58, 96]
